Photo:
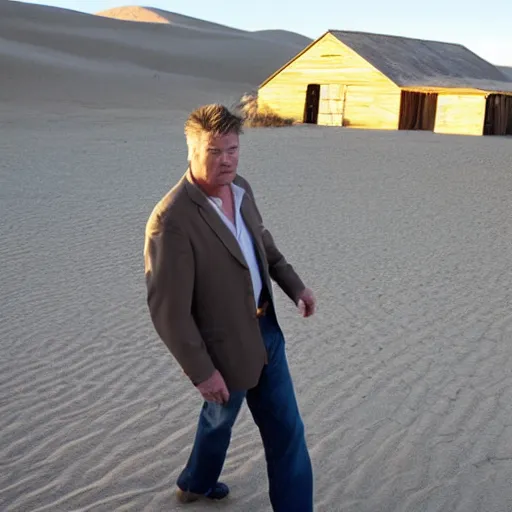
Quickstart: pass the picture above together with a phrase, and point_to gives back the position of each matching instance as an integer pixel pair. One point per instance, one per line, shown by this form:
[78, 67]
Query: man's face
[215, 158]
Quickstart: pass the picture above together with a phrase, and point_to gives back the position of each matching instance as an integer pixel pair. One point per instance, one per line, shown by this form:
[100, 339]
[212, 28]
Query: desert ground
[404, 375]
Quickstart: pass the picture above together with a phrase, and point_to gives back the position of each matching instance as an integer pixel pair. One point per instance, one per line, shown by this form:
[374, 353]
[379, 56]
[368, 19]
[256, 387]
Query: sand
[404, 374]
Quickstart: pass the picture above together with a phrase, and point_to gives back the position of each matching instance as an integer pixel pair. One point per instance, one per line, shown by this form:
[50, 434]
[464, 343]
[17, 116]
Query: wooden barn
[376, 81]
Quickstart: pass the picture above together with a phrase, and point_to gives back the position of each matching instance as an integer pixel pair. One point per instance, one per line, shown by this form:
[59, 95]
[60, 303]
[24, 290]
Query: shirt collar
[238, 194]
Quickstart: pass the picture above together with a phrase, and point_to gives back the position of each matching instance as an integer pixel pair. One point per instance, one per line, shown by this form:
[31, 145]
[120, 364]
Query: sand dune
[152, 15]
[88, 58]
[284, 37]
[403, 376]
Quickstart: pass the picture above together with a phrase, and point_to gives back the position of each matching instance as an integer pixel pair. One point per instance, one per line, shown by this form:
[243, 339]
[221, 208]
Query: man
[209, 261]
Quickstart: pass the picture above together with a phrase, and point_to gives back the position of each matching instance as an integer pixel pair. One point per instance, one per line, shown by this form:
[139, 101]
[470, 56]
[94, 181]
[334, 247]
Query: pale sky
[483, 27]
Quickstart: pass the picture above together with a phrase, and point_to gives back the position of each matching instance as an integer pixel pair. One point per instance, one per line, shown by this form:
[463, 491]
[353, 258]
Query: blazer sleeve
[169, 270]
[280, 270]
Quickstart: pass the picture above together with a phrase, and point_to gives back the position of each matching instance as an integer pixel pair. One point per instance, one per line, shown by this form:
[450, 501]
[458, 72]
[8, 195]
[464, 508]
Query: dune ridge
[88, 58]
[153, 15]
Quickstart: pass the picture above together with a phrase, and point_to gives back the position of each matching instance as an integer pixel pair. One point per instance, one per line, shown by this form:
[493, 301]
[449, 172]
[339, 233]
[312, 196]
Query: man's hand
[214, 389]
[306, 303]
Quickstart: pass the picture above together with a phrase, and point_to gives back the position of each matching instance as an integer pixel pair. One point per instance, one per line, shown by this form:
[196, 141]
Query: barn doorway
[417, 111]
[325, 104]
[312, 103]
[498, 115]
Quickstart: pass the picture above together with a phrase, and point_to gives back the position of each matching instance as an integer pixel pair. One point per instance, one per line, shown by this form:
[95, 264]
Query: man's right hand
[214, 389]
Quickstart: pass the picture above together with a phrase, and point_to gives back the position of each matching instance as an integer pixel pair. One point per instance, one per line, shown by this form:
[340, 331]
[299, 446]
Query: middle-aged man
[209, 261]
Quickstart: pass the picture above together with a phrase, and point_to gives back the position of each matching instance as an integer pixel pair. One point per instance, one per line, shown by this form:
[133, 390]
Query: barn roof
[417, 63]
[412, 62]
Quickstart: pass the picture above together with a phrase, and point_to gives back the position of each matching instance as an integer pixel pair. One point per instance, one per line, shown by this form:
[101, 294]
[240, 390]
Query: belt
[262, 310]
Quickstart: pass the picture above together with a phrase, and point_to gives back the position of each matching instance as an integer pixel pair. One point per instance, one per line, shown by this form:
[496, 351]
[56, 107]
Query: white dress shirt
[242, 235]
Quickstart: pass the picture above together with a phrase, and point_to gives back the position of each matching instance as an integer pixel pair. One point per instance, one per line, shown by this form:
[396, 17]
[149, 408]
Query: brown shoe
[218, 492]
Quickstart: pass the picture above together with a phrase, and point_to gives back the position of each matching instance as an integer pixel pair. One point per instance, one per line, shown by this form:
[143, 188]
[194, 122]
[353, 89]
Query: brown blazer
[199, 288]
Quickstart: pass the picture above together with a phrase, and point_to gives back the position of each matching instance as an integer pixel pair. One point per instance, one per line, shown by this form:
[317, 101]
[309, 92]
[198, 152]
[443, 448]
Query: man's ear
[191, 151]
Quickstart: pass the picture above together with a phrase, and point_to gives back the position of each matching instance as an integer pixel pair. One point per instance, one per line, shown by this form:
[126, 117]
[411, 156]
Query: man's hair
[214, 119]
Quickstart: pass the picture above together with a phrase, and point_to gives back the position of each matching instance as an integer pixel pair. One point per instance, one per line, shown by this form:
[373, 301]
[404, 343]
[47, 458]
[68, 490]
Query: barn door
[332, 104]
[498, 115]
[417, 111]
[312, 102]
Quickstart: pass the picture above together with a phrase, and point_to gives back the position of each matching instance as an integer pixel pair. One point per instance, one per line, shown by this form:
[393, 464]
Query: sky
[485, 28]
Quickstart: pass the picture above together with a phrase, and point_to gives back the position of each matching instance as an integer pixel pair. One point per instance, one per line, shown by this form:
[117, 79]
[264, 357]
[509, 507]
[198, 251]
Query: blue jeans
[274, 408]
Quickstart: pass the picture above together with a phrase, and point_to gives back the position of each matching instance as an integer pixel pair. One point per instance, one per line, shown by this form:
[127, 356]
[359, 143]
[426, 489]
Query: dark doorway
[417, 111]
[312, 102]
[498, 115]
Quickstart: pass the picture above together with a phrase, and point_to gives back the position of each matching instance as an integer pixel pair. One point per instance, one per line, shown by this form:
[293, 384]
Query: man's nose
[224, 157]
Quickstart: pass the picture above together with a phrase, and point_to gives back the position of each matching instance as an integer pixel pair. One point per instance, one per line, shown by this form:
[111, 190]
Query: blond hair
[215, 119]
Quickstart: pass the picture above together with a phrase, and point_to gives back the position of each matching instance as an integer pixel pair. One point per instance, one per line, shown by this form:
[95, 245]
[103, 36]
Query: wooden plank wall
[462, 114]
[368, 107]
[373, 101]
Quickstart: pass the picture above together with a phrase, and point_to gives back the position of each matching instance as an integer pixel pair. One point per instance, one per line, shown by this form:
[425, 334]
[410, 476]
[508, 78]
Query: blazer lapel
[215, 222]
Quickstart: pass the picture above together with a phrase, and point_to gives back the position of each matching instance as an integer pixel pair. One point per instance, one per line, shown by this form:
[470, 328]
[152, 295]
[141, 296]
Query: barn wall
[462, 114]
[370, 107]
[372, 100]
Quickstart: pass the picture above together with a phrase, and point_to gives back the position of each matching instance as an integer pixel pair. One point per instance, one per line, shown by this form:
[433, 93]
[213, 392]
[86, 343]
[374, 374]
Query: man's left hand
[306, 303]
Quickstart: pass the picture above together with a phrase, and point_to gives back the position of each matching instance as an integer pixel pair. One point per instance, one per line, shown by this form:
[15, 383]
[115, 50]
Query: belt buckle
[262, 310]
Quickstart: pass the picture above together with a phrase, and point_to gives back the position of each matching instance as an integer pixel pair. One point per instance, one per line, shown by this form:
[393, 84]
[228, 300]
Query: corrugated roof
[412, 62]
